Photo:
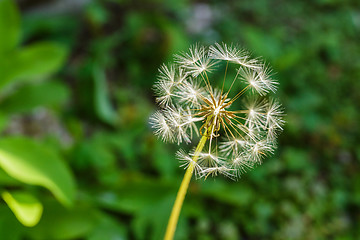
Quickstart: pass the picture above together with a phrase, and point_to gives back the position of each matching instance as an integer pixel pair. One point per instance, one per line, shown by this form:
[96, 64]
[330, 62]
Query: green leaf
[25, 206]
[230, 193]
[263, 43]
[44, 94]
[153, 217]
[32, 62]
[32, 163]
[58, 222]
[6, 180]
[9, 26]
[108, 228]
[149, 200]
[10, 227]
[103, 106]
[4, 120]
[296, 159]
[136, 195]
[162, 157]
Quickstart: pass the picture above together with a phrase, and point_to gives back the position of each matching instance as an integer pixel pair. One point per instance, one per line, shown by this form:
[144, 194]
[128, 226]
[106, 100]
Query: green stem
[174, 217]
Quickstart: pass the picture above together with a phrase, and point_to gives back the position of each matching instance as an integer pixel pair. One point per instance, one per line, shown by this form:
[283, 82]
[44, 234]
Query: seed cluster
[233, 112]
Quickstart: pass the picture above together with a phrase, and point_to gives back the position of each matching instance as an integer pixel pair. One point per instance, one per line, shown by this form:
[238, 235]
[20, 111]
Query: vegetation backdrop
[78, 159]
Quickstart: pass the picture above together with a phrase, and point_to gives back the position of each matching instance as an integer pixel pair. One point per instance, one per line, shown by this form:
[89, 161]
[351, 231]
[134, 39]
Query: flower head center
[217, 110]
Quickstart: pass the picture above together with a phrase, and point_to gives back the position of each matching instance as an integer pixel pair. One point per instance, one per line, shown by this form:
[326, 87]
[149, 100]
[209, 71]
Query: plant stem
[174, 217]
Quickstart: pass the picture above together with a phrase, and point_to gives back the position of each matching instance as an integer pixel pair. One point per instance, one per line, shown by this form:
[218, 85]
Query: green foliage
[102, 106]
[23, 159]
[75, 97]
[25, 63]
[70, 224]
[10, 227]
[25, 206]
[47, 94]
[32, 163]
[9, 26]
[31, 63]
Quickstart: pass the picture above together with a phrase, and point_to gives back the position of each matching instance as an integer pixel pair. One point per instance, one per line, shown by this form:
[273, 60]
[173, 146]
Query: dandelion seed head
[233, 113]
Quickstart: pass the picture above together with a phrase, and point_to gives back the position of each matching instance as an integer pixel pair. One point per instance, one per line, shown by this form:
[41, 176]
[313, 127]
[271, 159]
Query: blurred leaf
[25, 206]
[102, 102]
[94, 152]
[135, 196]
[97, 14]
[232, 193]
[296, 159]
[44, 94]
[10, 227]
[31, 62]
[98, 153]
[61, 223]
[289, 58]
[6, 180]
[9, 26]
[107, 228]
[153, 217]
[263, 43]
[4, 120]
[163, 159]
[32, 163]
[229, 230]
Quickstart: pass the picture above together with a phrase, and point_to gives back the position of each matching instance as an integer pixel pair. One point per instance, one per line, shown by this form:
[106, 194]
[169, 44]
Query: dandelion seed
[242, 163]
[186, 160]
[255, 115]
[161, 126]
[167, 73]
[232, 147]
[196, 61]
[215, 171]
[256, 80]
[163, 91]
[191, 57]
[264, 74]
[274, 114]
[258, 150]
[190, 93]
[233, 54]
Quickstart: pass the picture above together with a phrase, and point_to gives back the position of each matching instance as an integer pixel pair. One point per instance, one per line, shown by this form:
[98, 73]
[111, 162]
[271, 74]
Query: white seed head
[232, 112]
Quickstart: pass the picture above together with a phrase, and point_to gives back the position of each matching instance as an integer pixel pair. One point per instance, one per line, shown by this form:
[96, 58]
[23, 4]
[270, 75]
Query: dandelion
[218, 94]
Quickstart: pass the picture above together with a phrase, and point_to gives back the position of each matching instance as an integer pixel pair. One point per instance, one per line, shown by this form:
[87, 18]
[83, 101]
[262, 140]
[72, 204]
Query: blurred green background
[78, 159]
